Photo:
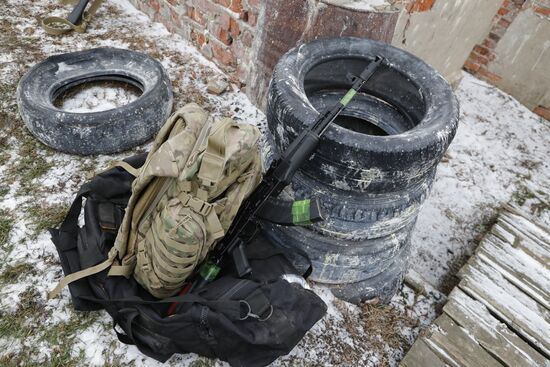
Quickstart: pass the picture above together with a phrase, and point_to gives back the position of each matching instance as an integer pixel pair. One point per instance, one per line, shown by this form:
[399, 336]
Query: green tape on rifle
[347, 98]
[300, 212]
[209, 271]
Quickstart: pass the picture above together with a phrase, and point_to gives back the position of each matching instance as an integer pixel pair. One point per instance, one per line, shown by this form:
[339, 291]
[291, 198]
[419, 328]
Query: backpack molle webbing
[183, 200]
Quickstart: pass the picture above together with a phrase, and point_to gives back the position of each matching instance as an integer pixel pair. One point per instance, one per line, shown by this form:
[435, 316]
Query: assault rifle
[275, 180]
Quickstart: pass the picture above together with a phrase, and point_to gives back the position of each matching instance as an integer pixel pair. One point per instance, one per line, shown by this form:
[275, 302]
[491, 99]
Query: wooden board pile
[499, 314]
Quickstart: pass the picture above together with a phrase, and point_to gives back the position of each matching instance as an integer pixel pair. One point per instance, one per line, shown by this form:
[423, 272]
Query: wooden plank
[417, 282]
[522, 270]
[530, 247]
[455, 346]
[520, 312]
[491, 334]
[515, 210]
[420, 355]
[527, 227]
[504, 234]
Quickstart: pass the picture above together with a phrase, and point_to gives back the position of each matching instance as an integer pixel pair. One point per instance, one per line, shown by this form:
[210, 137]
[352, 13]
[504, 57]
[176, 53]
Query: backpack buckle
[199, 206]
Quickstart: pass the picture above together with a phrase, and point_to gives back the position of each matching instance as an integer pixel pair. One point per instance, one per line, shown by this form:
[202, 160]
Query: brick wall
[483, 57]
[247, 37]
[223, 30]
[483, 53]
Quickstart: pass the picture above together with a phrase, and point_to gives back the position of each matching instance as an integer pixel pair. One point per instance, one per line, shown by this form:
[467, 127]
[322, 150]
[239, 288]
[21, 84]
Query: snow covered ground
[500, 154]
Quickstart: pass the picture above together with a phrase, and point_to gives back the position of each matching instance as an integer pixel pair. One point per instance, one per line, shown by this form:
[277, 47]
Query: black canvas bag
[247, 322]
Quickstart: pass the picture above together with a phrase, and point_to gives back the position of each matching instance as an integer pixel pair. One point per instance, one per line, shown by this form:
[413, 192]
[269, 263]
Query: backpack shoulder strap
[214, 159]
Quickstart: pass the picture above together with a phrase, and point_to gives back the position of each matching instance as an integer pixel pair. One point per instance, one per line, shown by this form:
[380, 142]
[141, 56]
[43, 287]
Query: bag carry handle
[254, 305]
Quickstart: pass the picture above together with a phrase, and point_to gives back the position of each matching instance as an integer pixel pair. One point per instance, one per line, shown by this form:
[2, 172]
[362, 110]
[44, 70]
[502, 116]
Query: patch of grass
[480, 228]
[4, 156]
[522, 194]
[387, 322]
[12, 272]
[28, 321]
[487, 221]
[30, 164]
[4, 191]
[203, 363]
[374, 330]
[88, 167]
[6, 225]
[44, 216]
[15, 325]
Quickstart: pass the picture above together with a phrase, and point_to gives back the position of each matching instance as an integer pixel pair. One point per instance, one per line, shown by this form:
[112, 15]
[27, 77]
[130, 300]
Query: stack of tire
[374, 166]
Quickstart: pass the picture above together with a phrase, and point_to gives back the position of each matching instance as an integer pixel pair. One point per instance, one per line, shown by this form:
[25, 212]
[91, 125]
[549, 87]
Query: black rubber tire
[371, 178]
[354, 270]
[408, 99]
[97, 132]
[359, 216]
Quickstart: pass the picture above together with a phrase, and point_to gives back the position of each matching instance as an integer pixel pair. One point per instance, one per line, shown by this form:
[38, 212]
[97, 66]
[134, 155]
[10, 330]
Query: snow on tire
[374, 165]
[99, 132]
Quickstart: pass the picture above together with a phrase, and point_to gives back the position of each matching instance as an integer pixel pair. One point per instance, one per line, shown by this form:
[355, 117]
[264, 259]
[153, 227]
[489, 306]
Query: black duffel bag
[247, 322]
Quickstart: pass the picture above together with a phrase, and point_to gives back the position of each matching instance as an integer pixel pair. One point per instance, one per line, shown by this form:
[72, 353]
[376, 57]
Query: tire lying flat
[374, 165]
[100, 132]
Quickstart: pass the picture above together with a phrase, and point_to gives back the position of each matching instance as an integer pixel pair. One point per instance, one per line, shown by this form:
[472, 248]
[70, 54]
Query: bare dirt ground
[500, 154]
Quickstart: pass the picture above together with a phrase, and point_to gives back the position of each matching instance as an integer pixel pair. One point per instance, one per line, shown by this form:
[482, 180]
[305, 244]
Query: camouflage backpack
[184, 198]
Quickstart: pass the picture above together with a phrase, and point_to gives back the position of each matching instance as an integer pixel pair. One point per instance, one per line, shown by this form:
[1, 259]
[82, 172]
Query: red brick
[236, 6]
[155, 5]
[420, 6]
[481, 50]
[226, 3]
[504, 23]
[198, 17]
[223, 35]
[503, 11]
[478, 58]
[234, 28]
[224, 20]
[206, 6]
[252, 18]
[541, 10]
[247, 38]
[471, 66]
[199, 38]
[489, 43]
[543, 112]
[488, 75]
[223, 54]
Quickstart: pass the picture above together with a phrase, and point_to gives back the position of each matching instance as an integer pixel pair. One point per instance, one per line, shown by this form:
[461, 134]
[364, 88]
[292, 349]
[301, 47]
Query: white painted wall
[523, 59]
[445, 35]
